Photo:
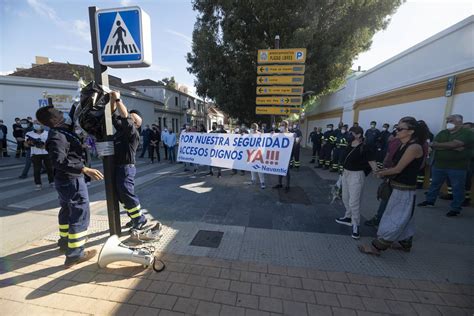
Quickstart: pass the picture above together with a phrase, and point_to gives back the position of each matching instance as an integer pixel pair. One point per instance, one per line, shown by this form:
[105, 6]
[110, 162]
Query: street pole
[277, 46]
[102, 78]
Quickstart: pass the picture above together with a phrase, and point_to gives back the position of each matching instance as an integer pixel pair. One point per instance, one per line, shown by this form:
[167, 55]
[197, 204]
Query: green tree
[169, 82]
[228, 33]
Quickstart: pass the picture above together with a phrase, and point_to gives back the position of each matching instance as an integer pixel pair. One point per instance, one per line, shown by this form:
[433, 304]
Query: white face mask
[329, 129]
[450, 126]
[343, 131]
[384, 129]
[236, 130]
[282, 127]
[294, 126]
[252, 131]
[373, 125]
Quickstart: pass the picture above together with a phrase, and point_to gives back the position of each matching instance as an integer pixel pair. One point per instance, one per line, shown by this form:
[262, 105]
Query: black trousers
[20, 148]
[38, 161]
[326, 153]
[316, 149]
[280, 178]
[151, 152]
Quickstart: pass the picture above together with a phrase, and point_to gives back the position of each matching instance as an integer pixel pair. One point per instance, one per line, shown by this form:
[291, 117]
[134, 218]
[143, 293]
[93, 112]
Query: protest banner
[267, 153]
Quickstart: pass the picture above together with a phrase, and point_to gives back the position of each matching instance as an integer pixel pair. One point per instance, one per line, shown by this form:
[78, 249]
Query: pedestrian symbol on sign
[120, 41]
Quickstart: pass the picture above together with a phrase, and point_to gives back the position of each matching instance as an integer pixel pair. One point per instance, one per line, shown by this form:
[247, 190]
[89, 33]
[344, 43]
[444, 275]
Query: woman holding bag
[396, 228]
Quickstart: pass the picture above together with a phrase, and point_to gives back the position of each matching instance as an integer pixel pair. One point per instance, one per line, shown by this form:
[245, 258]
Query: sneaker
[262, 186]
[22, 177]
[277, 186]
[425, 204]
[38, 187]
[453, 213]
[139, 225]
[88, 254]
[312, 161]
[355, 232]
[344, 221]
[373, 222]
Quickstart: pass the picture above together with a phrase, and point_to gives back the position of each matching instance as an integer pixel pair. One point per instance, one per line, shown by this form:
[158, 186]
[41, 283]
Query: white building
[24, 91]
[193, 109]
[412, 83]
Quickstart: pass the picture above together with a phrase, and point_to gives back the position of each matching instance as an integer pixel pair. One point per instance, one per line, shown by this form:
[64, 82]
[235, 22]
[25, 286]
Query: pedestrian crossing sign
[123, 37]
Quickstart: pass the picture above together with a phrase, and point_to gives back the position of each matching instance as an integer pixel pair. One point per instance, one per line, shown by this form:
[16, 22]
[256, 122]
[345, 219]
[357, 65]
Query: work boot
[312, 161]
[87, 255]
[278, 186]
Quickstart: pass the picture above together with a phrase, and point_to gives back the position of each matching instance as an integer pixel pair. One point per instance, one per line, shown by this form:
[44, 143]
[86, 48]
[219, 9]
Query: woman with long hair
[396, 228]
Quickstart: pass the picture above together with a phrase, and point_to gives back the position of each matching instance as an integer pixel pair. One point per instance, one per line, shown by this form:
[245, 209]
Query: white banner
[267, 153]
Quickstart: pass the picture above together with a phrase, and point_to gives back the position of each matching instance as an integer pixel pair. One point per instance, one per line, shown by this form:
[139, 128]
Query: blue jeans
[457, 177]
[171, 154]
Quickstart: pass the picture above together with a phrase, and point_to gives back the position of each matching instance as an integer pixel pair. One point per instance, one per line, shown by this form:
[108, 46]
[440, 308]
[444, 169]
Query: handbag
[384, 190]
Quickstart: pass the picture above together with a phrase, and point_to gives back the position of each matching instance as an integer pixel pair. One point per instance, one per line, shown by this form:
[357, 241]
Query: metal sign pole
[102, 78]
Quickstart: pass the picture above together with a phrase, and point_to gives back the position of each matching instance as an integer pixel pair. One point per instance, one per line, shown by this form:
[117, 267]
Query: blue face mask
[67, 118]
[37, 127]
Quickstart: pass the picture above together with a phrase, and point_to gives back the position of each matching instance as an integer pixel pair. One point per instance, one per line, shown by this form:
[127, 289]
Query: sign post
[280, 79]
[102, 78]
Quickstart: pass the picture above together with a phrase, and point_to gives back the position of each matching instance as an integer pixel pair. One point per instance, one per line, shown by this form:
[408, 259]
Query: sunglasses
[399, 129]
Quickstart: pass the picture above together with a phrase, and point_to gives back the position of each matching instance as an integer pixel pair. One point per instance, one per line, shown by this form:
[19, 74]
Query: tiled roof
[67, 72]
[144, 82]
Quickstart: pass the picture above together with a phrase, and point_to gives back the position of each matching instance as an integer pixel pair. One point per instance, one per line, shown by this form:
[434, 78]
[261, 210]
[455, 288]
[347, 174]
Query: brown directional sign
[276, 110]
[283, 80]
[283, 100]
[281, 69]
[279, 90]
[280, 56]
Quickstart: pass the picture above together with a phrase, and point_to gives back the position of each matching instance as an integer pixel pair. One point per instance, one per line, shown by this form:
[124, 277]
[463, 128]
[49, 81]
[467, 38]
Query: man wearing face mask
[26, 128]
[338, 153]
[66, 153]
[329, 141]
[126, 141]
[371, 136]
[452, 155]
[315, 138]
[19, 134]
[36, 139]
[295, 152]
[164, 133]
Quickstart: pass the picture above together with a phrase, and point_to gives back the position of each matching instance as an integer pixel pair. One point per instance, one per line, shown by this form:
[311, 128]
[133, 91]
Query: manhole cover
[207, 238]
[296, 195]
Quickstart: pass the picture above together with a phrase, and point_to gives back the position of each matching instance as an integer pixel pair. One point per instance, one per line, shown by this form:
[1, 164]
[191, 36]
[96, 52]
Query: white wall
[430, 110]
[447, 52]
[464, 104]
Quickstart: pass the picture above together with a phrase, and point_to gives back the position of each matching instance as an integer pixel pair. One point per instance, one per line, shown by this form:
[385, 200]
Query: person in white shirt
[36, 139]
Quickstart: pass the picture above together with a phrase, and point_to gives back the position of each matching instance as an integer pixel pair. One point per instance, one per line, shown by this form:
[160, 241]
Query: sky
[59, 29]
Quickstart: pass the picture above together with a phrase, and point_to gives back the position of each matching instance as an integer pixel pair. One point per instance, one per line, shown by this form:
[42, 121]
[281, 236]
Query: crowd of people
[401, 158]
[30, 138]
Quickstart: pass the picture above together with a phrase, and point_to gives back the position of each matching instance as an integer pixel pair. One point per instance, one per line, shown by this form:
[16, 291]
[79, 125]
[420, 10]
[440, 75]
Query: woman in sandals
[396, 228]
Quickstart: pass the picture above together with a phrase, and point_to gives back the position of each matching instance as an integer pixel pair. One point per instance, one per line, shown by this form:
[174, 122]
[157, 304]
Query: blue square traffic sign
[123, 37]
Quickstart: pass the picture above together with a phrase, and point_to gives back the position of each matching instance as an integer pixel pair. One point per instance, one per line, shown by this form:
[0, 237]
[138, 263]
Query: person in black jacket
[126, 140]
[3, 139]
[154, 146]
[19, 134]
[315, 138]
[65, 150]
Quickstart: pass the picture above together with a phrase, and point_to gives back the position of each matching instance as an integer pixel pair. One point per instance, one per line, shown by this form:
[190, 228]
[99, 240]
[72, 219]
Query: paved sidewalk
[34, 282]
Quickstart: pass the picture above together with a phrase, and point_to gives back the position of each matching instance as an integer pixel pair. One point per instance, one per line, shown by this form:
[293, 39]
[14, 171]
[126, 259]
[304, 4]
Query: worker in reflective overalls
[126, 140]
[65, 150]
